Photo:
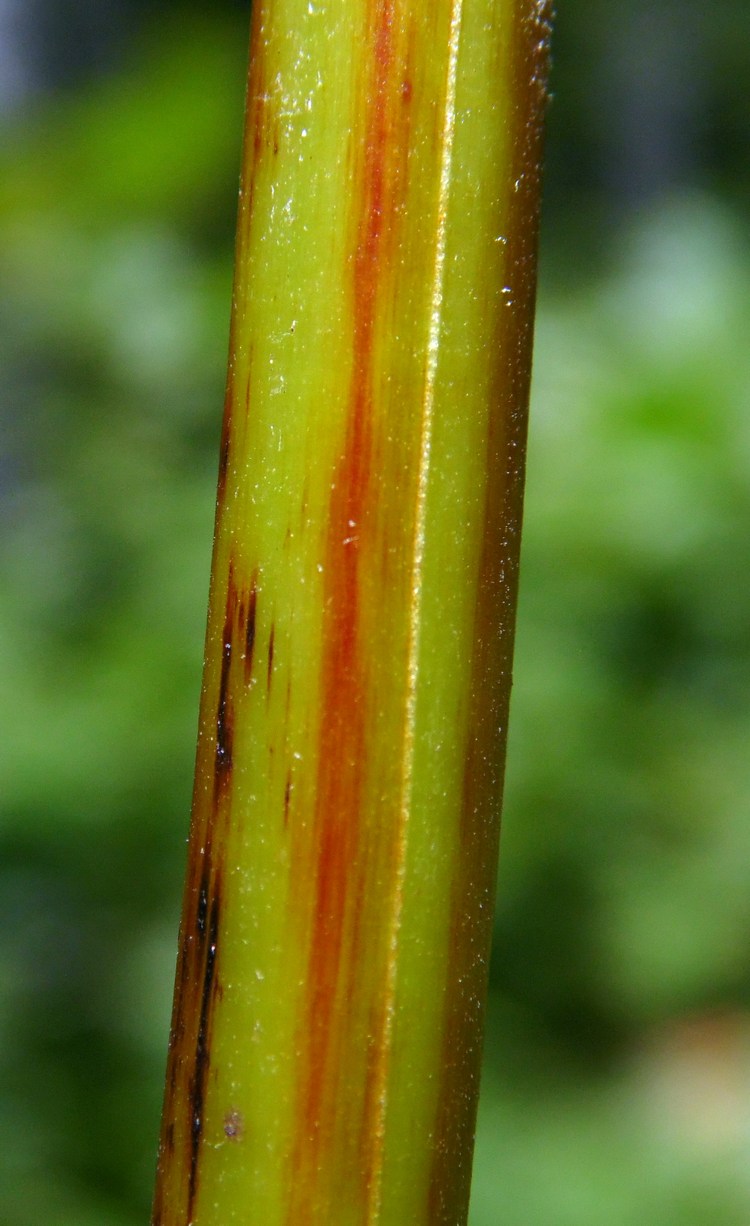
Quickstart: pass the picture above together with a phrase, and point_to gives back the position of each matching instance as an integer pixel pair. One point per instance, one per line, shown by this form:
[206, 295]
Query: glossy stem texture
[326, 1036]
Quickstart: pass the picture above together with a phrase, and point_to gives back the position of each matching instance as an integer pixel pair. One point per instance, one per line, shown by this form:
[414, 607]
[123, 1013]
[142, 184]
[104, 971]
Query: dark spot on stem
[234, 1125]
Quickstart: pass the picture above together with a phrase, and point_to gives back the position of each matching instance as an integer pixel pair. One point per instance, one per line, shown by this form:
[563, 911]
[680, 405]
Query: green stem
[326, 1036]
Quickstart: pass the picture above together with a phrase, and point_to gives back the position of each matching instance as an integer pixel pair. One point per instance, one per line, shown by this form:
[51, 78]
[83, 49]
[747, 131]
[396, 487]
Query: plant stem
[326, 1037]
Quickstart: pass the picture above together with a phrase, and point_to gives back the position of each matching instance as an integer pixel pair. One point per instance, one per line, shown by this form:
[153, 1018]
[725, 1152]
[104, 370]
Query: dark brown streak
[202, 912]
[224, 714]
[224, 458]
[287, 798]
[269, 673]
[201, 1064]
[252, 602]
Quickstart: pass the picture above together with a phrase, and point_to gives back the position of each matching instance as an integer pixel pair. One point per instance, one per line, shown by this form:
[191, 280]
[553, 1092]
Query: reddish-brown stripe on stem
[336, 957]
[261, 125]
[344, 679]
[260, 140]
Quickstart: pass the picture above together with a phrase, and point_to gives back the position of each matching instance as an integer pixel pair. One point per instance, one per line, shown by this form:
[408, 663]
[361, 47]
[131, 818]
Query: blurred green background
[617, 1084]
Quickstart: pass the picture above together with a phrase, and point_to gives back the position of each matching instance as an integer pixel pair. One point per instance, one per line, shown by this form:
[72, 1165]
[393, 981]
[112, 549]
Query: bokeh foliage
[618, 1055]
